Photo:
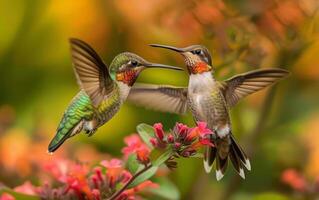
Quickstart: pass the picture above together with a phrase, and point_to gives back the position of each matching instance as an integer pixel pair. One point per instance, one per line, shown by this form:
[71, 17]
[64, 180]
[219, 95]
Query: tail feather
[221, 166]
[62, 134]
[209, 157]
[241, 154]
[236, 162]
[226, 147]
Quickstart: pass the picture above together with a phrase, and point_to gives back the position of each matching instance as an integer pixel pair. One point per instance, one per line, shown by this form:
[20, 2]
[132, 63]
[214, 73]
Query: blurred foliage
[279, 126]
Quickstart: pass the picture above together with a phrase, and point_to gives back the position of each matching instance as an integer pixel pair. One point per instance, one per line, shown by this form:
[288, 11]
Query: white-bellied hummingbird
[209, 101]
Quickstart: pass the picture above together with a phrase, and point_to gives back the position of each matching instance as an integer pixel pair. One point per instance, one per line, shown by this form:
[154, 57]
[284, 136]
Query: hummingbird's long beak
[157, 65]
[179, 50]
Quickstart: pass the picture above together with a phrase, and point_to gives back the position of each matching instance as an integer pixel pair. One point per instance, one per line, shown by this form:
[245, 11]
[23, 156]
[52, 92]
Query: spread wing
[159, 97]
[91, 73]
[244, 84]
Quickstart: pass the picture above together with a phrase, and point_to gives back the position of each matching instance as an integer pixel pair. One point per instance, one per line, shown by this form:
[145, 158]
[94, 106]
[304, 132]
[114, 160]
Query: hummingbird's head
[197, 57]
[126, 67]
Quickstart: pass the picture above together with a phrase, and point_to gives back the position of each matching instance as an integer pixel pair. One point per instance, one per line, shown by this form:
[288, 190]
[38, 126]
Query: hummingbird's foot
[90, 132]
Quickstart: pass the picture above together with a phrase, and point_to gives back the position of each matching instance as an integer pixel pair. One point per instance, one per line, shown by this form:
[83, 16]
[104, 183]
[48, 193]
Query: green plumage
[102, 91]
[79, 109]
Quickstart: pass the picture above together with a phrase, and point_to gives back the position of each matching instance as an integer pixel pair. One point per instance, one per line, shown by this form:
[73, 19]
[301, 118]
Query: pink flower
[58, 168]
[154, 142]
[145, 184]
[292, 178]
[135, 145]
[96, 194]
[159, 132]
[6, 196]
[177, 145]
[113, 170]
[129, 194]
[26, 188]
[202, 129]
[182, 129]
[143, 154]
[170, 138]
[113, 163]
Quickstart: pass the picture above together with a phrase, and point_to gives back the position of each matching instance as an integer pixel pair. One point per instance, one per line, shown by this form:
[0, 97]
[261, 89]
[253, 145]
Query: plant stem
[119, 192]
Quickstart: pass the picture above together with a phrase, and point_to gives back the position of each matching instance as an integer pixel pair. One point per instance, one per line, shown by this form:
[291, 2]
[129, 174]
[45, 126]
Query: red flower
[170, 138]
[135, 145]
[77, 181]
[292, 178]
[6, 196]
[198, 132]
[114, 169]
[96, 194]
[202, 129]
[143, 154]
[129, 194]
[133, 142]
[154, 142]
[159, 132]
[181, 129]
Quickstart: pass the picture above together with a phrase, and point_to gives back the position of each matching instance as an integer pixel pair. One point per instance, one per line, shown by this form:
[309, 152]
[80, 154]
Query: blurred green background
[278, 127]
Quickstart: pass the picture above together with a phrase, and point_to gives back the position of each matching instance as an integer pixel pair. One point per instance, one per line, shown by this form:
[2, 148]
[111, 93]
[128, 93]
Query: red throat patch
[200, 67]
[127, 77]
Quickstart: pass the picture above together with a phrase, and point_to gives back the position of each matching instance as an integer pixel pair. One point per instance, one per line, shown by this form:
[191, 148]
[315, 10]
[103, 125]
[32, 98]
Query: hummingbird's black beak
[179, 50]
[157, 65]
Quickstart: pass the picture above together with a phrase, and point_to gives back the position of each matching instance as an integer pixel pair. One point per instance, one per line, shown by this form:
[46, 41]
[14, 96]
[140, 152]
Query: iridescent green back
[80, 108]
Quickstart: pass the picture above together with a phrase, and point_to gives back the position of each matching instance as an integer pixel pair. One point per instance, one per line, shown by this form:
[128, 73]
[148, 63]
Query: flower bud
[181, 130]
[158, 128]
[177, 145]
[154, 142]
[170, 138]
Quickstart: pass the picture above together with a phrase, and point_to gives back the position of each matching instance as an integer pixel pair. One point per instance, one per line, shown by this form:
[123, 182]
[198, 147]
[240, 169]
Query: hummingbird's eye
[197, 51]
[134, 63]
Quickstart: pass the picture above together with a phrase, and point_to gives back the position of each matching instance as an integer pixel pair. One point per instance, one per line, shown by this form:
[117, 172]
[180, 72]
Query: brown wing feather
[242, 85]
[159, 97]
[91, 73]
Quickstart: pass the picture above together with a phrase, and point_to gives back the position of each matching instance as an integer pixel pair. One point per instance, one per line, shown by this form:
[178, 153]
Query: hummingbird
[103, 90]
[209, 100]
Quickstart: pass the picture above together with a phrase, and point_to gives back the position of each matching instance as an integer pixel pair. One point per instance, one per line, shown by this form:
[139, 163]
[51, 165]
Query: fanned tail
[226, 147]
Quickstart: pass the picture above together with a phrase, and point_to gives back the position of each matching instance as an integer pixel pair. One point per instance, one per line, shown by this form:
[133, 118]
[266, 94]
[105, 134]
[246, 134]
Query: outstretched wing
[92, 74]
[159, 97]
[242, 85]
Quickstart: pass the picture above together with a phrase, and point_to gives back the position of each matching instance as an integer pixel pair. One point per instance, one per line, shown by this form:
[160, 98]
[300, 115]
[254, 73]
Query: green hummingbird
[209, 101]
[103, 90]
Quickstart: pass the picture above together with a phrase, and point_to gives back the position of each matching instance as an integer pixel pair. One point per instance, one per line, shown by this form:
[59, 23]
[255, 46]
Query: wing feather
[159, 97]
[242, 85]
[91, 72]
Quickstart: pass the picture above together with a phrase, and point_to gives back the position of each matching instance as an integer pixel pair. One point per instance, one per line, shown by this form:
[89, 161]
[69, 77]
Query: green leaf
[132, 164]
[144, 176]
[18, 195]
[167, 189]
[270, 195]
[146, 132]
[164, 157]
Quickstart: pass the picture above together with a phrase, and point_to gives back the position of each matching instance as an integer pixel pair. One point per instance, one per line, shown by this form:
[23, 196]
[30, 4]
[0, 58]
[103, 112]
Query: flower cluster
[110, 179]
[184, 140]
[77, 181]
